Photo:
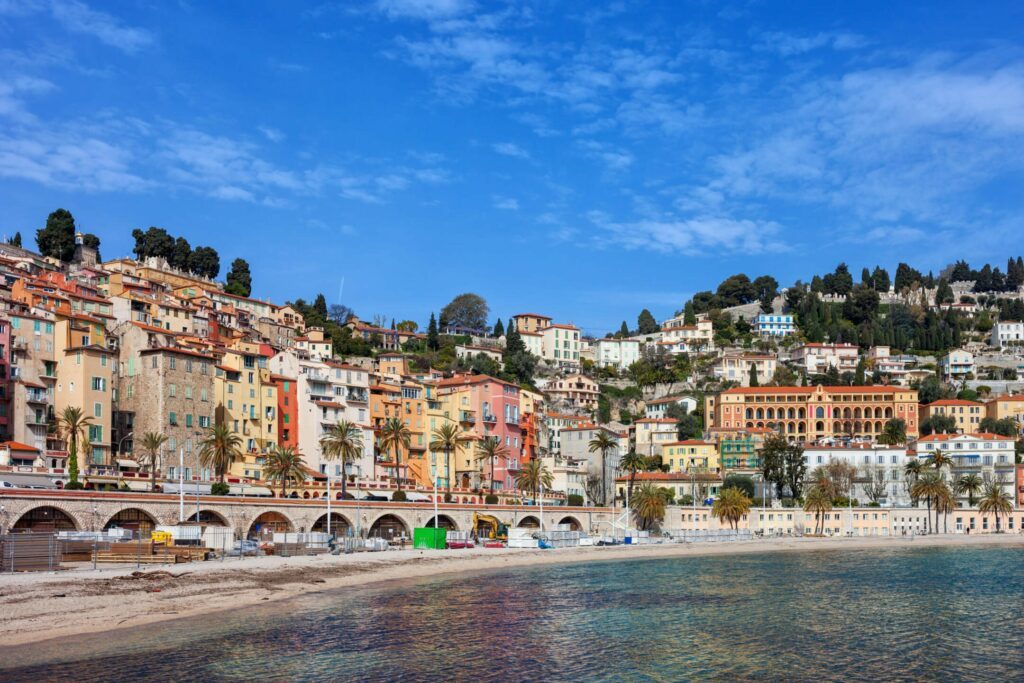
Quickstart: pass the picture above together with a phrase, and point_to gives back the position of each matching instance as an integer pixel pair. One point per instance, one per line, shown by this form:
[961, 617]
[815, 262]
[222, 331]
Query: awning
[239, 490]
[137, 485]
[29, 481]
[127, 463]
[414, 497]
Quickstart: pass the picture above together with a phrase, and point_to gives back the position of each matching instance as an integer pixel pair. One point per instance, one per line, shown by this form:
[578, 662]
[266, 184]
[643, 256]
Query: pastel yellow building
[84, 370]
[1006, 406]
[967, 414]
[246, 398]
[690, 456]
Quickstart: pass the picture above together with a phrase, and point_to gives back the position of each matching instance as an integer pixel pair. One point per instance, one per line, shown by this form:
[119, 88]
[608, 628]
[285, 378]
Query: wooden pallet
[126, 558]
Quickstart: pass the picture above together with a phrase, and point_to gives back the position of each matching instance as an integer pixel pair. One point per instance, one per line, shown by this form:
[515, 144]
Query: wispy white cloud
[510, 149]
[77, 17]
[506, 203]
[272, 134]
[430, 10]
[697, 236]
[788, 44]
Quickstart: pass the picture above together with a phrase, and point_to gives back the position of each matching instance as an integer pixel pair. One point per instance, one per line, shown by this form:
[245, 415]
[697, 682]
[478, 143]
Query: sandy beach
[40, 606]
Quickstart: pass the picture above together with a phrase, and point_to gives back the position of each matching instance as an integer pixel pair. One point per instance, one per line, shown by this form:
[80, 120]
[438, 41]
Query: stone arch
[769, 414]
[573, 523]
[45, 518]
[801, 427]
[339, 524]
[444, 522]
[888, 413]
[749, 414]
[133, 519]
[529, 522]
[819, 412]
[791, 414]
[389, 526]
[801, 414]
[819, 426]
[209, 517]
[269, 522]
[760, 413]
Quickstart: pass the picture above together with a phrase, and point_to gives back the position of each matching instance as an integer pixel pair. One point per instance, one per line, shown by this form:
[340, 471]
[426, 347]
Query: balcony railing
[491, 418]
[512, 419]
[466, 417]
[358, 396]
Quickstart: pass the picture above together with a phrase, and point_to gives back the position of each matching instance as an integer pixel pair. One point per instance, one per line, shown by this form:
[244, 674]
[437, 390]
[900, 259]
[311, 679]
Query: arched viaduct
[94, 511]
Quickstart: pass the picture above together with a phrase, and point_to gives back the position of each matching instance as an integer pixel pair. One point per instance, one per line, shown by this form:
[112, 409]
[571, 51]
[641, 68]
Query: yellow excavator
[490, 527]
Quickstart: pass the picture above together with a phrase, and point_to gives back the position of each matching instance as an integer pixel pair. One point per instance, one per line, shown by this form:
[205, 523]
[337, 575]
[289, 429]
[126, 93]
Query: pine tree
[16, 240]
[646, 324]
[753, 376]
[433, 341]
[624, 330]
[499, 329]
[880, 279]
[513, 342]
[865, 277]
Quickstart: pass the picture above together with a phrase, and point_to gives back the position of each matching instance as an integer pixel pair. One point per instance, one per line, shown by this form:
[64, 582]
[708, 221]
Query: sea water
[929, 614]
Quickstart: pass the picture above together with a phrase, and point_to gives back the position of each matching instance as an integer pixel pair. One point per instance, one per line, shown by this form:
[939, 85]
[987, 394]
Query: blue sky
[578, 159]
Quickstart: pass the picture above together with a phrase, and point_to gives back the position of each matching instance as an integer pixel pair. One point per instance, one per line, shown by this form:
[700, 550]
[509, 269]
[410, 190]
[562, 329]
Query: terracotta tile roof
[954, 402]
[980, 436]
[689, 442]
[671, 476]
[880, 389]
[532, 315]
[18, 446]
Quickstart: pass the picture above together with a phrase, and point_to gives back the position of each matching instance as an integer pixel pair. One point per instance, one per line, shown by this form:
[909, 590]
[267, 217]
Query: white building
[735, 367]
[1007, 333]
[774, 325]
[678, 337]
[560, 345]
[533, 341]
[576, 448]
[468, 351]
[314, 345]
[882, 465]
[657, 408]
[816, 359]
[956, 365]
[880, 360]
[327, 392]
[988, 455]
[648, 435]
[616, 353]
[567, 476]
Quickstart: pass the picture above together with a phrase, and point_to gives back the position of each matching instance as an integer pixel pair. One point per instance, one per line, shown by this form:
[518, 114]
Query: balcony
[512, 419]
[36, 397]
[357, 395]
[467, 417]
[492, 419]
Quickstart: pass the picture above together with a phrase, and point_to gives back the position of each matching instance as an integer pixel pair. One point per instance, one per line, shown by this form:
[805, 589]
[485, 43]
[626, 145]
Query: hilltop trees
[239, 280]
[57, 238]
[646, 324]
[467, 310]
[157, 242]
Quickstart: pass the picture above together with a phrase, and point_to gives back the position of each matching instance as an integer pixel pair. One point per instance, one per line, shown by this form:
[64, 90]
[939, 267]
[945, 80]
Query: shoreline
[38, 607]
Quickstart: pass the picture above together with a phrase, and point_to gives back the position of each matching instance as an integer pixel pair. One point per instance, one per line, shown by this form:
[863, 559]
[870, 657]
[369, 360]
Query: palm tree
[938, 459]
[945, 502]
[912, 471]
[447, 438]
[819, 502]
[487, 450]
[894, 432]
[929, 486]
[604, 443]
[73, 425]
[342, 441]
[152, 443]
[220, 449]
[532, 476]
[395, 435]
[971, 485]
[731, 505]
[632, 462]
[649, 506]
[284, 464]
[996, 501]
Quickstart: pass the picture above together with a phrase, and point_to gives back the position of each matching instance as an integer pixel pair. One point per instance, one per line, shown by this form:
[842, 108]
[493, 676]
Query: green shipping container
[430, 538]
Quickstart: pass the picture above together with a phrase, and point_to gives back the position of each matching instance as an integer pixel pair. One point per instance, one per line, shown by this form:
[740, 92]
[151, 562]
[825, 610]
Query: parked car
[244, 548]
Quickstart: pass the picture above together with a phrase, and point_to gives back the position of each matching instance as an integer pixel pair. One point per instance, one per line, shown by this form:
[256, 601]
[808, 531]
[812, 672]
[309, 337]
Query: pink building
[494, 407]
[5, 379]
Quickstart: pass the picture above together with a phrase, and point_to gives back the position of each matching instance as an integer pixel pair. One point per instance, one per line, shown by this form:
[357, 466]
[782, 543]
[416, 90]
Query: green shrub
[874, 504]
[448, 497]
[220, 488]
[788, 503]
[74, 486]
[575, 500]
[399, 496]
[491, 498]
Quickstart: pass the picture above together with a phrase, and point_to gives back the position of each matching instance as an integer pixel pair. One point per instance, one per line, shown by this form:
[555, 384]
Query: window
[172, 390]
[172, 363]
[188, 419]
[99, 384]
[173, 419]
[204, 421]
[95, 433]
[202, 395]
[153, 362]
[97, 410]
[188, 391]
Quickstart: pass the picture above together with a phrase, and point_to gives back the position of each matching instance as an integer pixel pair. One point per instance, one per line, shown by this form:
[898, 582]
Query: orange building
[811, 413]
[287, 411]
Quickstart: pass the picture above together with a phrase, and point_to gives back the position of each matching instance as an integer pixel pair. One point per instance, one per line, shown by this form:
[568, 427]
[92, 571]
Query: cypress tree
[433, 340]
[753, 376]
[499, 328]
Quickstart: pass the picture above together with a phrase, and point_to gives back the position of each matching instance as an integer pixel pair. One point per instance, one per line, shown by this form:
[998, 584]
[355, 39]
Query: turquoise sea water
[913, 615]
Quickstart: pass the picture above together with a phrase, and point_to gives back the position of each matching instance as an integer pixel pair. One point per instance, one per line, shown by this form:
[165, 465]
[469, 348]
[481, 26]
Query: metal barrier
[711, 535]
